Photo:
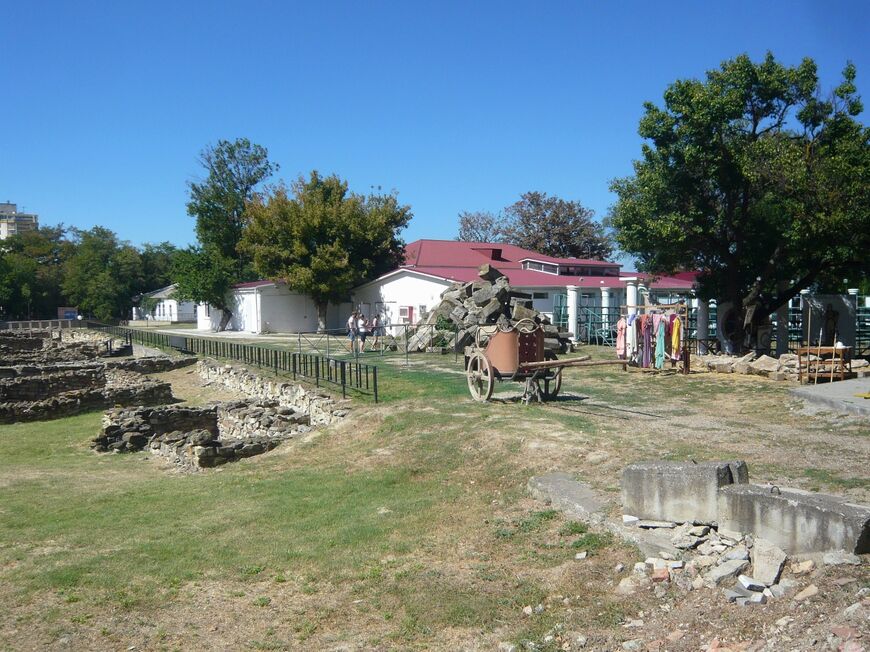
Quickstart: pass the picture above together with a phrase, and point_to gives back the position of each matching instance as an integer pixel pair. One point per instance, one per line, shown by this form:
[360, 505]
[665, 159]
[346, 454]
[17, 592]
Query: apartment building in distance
[12, 222]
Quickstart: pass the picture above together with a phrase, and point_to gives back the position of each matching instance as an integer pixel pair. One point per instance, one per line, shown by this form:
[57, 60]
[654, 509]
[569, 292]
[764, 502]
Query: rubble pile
[749, 570]
[485, 302]
[783, 368]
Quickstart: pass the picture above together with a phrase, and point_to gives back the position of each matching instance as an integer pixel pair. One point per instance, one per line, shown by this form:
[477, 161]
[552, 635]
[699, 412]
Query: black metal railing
[348, 374]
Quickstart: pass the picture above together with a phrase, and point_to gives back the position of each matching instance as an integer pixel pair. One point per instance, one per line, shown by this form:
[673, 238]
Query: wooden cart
[517, 353]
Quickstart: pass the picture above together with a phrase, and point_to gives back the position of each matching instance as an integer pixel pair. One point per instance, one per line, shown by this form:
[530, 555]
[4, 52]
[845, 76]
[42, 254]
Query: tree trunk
[321, 316]
[226, 315]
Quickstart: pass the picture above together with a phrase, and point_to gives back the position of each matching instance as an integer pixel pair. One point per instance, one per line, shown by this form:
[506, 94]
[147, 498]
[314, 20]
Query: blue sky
[456, 105]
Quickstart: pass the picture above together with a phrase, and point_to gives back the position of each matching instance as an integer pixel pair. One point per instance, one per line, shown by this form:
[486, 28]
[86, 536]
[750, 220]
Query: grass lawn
[404, 527]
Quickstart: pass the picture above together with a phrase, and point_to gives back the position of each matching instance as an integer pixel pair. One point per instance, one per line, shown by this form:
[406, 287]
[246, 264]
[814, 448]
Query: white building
[162, 306]
[570, 291]
[12, 222]
[269, 307]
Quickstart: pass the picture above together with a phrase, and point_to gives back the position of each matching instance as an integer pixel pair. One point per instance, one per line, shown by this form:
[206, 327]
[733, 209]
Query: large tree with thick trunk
[322, 239]
[754, 178]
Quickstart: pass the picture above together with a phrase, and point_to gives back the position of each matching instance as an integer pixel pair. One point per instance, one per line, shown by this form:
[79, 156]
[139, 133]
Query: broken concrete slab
[567, 494]
[839, 396]
[678, 491]
[767, 561]
[796, 521]
[765, 365]
[578, 500]
[724, 571]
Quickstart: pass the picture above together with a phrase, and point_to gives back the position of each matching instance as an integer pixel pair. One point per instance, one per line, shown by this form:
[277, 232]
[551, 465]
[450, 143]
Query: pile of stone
[783, 368]
[484, 302]
[201, 437]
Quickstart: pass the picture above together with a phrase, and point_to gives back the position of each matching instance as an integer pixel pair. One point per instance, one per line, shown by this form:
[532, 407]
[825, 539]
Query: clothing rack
[681, 310]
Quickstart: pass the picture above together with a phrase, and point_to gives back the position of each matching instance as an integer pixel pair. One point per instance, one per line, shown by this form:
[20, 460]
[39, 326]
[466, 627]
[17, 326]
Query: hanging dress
[646, 328]
[676, 328]
[620, 338]
[631, 339]
[660, 343]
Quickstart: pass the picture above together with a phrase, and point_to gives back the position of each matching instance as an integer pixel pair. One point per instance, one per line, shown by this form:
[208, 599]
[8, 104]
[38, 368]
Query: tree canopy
[548, 225]
[207, 271]
[322, 239]
[753, 178]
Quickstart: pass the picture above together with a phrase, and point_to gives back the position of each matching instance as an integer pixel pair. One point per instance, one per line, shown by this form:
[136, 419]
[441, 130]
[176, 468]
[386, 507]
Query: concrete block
[678, 491]
[796, 521]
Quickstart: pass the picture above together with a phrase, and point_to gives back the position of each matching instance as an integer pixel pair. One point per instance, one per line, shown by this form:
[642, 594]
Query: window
[541, 267]
[540, 295]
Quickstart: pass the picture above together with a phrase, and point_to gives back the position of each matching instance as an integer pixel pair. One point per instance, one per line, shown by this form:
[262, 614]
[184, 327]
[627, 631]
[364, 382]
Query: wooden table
[835, 367]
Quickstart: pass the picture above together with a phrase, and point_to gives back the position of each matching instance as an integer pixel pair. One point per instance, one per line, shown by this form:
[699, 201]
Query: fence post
[343, 379]
[406, 344]
[375, 382]
[317, 372]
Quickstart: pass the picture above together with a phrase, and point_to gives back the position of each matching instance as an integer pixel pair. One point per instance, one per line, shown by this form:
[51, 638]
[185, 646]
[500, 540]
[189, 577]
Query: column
[703, 325]
[643, 293]
[573, 310]
[605, 308]
[631, 295]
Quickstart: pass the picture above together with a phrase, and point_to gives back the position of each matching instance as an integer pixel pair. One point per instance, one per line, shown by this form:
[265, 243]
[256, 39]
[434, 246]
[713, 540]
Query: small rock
[675, 565]
[581, 641]
[629, 520]
[803, 567]
[729, 534]
[507, 647]
[619, 568]
[726, 571]
[699, 531]
[845, 633]
[633, 623]
[750, 583]
[807, 593]
[635, 644]
[581, 555]
[740, 552]
[685, 542]
[527, 610]
[843, 581]
[539, 608]
[675, 635]
[640, 568]
[660, 575]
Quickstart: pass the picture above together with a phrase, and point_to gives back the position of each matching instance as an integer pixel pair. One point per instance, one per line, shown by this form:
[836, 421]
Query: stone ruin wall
[321, 408]
[212, 435]
[49, 376]
[201, 437]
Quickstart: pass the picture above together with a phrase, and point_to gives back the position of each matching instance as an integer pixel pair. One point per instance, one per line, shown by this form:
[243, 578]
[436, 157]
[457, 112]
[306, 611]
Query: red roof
[455, 253]
[454, 260]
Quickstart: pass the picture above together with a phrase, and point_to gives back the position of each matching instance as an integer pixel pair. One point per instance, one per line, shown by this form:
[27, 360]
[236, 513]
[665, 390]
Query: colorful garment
[676, 328]
[620, 338]
[646, 328]
[631, 339]
[660, 345]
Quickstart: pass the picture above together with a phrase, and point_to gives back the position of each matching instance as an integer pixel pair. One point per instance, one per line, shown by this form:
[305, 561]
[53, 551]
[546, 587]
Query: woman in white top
[362, 330]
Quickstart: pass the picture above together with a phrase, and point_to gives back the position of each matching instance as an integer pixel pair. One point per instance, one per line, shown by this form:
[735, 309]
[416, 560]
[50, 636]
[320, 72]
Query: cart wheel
[553, 385]
[480, 378]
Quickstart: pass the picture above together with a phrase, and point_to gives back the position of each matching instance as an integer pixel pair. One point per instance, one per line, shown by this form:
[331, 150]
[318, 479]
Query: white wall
[169, 310]
[403, 290]
[271, 309]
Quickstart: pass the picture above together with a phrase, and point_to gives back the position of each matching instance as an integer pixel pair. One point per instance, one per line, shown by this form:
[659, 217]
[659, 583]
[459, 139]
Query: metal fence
[42, 324]
[348, 374]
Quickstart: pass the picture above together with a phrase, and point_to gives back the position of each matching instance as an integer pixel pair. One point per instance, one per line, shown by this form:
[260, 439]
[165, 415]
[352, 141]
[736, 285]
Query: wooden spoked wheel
[480, 377]
[552, 385]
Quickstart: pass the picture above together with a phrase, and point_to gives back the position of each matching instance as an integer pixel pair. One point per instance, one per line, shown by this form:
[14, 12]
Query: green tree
[102, 274]
[206, 272]
[33, 262]
[753, 178]
[555, 227]
[324, 240]
[157, 262]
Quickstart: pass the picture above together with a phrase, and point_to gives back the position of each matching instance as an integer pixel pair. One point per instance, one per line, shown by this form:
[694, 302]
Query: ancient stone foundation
[201, 437]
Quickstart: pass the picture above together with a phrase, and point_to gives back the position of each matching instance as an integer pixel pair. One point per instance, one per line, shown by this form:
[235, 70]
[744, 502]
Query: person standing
[362, 330]
[376, 332]
[351, 330]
